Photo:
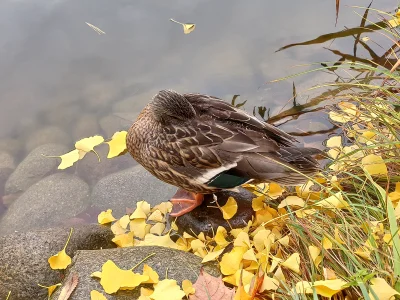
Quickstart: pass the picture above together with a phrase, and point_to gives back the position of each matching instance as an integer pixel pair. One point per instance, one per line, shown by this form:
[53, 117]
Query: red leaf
[69, 287]
[211, 288]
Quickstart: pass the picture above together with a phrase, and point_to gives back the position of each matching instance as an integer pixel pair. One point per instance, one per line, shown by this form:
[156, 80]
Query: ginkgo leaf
[96, 274]
[334, 201]
[374, 165]
[210, 287]
[95, 295]
[105, 217]
[230, 261]
[153, 276]
[258, 203]
[157, 228]
[154, 240]
[114, 278]
[314, 253]
[220, 237]
[167, 289]
[61, 260]
[117, 144]
[382, 289]
[163, 207]
[141, 211]
[229, 209]
[187, 27]
[139, 227]
[187, 287]
[67, 160]
[326, 243]
[292, 201]
[292, 263]
[212, 256]
[88, 144]
[241, 294]
[117, 229]
[275, 190]
[326, 288]
[50, 289]
[124, 221]
[124, 240]
[156, 216]
[242, 240]
[269, 284]
[334, 142]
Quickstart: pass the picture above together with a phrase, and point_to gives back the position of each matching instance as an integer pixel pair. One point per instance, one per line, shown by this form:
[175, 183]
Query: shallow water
[57, 71]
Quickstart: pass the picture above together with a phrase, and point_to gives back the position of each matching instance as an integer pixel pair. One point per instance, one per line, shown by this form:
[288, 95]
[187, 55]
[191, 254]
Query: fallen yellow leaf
[326, 288]
[117, 144]
[292, 201]
[212, 255]
[61, 260]
[157, 228]
[187, 28]
[95, 295]
[334, 142]
[230, 261]
[382, 289]
[187, 287]
[153, 276]
[229, 209]
[124, 240]
[374, 165]
[292, 263]
[167, 289]
[105, 217]
[50, 289]
[141, 211]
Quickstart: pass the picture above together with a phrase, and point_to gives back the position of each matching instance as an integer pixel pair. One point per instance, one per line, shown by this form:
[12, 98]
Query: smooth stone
[10, 145]
[63, 115]
[86, 126]
[92, 170]
[47, 135]
[99, 94]
[4, 175]
[180, 265]
[123, 189]
[6, 160]
[46, 203]
[23, 257]
[111, 124]
[34, 167]
[207, 219]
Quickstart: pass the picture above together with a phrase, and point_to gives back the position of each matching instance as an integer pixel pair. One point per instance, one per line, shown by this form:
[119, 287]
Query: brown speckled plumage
[188, 139]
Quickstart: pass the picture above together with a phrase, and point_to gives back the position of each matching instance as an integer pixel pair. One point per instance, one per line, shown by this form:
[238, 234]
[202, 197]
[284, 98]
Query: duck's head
[169, 105]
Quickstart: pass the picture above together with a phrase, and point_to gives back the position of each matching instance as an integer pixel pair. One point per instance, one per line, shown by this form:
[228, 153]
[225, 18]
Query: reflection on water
[61, 81]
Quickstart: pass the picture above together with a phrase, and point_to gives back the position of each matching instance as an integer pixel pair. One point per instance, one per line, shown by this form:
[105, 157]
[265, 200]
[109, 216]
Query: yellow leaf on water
[382, 289]
[229, 209]
[88, 144]
[117, 144]
[167, 289]
[157, 228]
[187, 287]
[339, 117]
[153, 276]
[349, 108]
[124, 240]
[212, 255]
[105, 217]
[95, 295]
[292, 263]
[230, 261]
[220, 237]
[326, 288]
[292, 201]
[374, 165]
[334, 142]
[114, 278]
[68, 159]
[50, 289]
[141, 211]
[61, 260]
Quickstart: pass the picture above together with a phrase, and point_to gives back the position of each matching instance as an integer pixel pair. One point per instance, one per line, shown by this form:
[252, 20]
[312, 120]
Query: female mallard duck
[203, 145]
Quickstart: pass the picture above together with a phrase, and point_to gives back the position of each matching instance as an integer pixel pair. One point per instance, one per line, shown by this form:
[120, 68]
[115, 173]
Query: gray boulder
[23, 257]
[46, 135]
[86, 126]
[34, 167]
[123, 189]
[45, 204]
[6, 160]
[181, 265]
[10, 145]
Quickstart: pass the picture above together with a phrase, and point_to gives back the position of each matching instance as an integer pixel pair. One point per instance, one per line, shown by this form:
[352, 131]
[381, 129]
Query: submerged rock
[47, 135]
[207, 219]
[23, 257]
[34, 167]
[123, 189]
[178, 264]
[55, 198]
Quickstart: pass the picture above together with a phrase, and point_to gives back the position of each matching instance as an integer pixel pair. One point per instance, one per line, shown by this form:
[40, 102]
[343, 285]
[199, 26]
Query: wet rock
[98, 95]
[113, 123]
[34, 167]
[4, 175]
[181, 265]
[86, 126]
[47, 135]
[123, 189]
[63, 115]
[6, 160]
[23, 257]
[46, 203]
[207, 219]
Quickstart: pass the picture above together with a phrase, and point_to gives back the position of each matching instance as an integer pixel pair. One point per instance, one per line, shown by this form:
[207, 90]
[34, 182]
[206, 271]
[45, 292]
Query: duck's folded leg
[184, 202]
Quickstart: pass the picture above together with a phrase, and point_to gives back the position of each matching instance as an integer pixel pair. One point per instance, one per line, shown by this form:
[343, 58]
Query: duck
[204, 145]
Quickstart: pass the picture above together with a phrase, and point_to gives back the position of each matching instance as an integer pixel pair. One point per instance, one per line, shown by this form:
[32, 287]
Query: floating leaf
[167, 289]
[229, 209]
[105, 217]
[88, 144]
[61, 260]
[187, 27]
[382, 289]
[117, 144]
[95, 295]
